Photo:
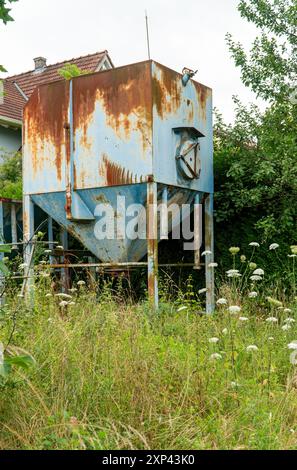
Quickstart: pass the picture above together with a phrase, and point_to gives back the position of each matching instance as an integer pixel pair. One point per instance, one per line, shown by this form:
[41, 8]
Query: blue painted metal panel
[108, 134]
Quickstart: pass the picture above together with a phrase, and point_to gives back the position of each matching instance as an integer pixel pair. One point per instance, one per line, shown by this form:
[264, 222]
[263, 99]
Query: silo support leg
[65, 277]
[152, 242]
[2, 280]
[28, 230]
[209, 246]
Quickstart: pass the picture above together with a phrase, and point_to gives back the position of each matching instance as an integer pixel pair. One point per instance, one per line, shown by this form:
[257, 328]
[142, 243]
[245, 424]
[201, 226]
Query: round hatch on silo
[187, 153]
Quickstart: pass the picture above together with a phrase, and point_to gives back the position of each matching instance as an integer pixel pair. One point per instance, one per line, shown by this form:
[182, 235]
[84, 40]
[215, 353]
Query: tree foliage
[11, 176]
[5, 17]
[270, 67]
[255, 158]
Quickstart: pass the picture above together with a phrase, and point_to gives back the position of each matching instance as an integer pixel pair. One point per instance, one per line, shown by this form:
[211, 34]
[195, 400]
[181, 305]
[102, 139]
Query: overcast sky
[183, 33]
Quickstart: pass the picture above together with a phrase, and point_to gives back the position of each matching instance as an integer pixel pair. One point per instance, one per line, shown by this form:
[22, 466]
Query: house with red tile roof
[16, 90]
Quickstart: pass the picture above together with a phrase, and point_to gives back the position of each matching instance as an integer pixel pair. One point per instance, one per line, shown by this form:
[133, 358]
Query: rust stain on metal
[45, 124]
[114, 174]
[167, 92]
[121, 94]
[203, 94]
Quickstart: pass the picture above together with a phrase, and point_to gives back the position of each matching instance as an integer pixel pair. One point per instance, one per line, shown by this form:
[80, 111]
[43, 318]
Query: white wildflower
[270, 338]
[274, 246]
[252, 347]
[234, 384]
[286, 327]
[63, 304]
[202, 291]
[258, 272]
[271, 320]
[47, 252]
[256, 278]
[292, 345]
[292, 256]
[23, 266]
[232, 271]
[234, 275]
[256, 244]
[213, 340]
[216, 356]
[64, 296]
[180, 309]
[253, 295]
[243, 319]
[234, 309]
[73, 290]
[206, 253]
[222, 301]
[287, 310]
[60, 247]
[225, 331]
[48, 295]
[289, 320]
[81, 283]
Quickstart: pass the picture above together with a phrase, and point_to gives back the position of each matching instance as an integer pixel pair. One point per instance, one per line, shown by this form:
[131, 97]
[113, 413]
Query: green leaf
[4, 269]
[5, 370]
[5, 249]
[25, 362]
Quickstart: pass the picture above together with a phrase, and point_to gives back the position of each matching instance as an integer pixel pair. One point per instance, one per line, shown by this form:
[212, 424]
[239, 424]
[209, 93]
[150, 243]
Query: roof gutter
[9, 122]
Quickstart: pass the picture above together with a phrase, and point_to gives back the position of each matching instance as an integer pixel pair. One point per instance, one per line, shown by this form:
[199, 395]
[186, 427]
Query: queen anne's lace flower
[234, 309]
[252, 347]
[253, 294]
[271, 320]
[258, 272]
[256, 278]
[206, 253]
[255, 244]
[222, 301]
[213, 340]
[274, 246]
[216, 356]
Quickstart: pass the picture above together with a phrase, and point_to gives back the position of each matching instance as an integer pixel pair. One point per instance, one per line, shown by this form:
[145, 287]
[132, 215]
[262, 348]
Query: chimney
[40, 64]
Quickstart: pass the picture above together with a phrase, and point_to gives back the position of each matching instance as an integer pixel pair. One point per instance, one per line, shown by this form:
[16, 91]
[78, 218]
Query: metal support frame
[65, 278]
[28, 230]
[152, 243]
[209, 247]
[2, 281]
[14, 233]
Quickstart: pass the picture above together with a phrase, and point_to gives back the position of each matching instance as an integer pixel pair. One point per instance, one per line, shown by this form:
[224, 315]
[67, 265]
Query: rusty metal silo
[142, 132]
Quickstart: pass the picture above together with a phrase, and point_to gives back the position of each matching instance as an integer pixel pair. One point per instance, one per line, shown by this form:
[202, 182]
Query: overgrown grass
[110, 375]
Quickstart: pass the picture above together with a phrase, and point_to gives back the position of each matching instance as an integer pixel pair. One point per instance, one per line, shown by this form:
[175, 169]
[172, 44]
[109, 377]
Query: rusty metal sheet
[45, 137]
[112, 125]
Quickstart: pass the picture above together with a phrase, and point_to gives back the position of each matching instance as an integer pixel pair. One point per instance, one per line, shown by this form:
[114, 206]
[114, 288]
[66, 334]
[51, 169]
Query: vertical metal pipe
[197, 229]
[51, 238]
[209, 246]
[152, 243]
[65, 280]
[2, 300]
[164, 216]
[28, 231]
[14, 234]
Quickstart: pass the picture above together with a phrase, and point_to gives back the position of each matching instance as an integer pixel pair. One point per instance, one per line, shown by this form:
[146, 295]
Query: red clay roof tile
[14, 101]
